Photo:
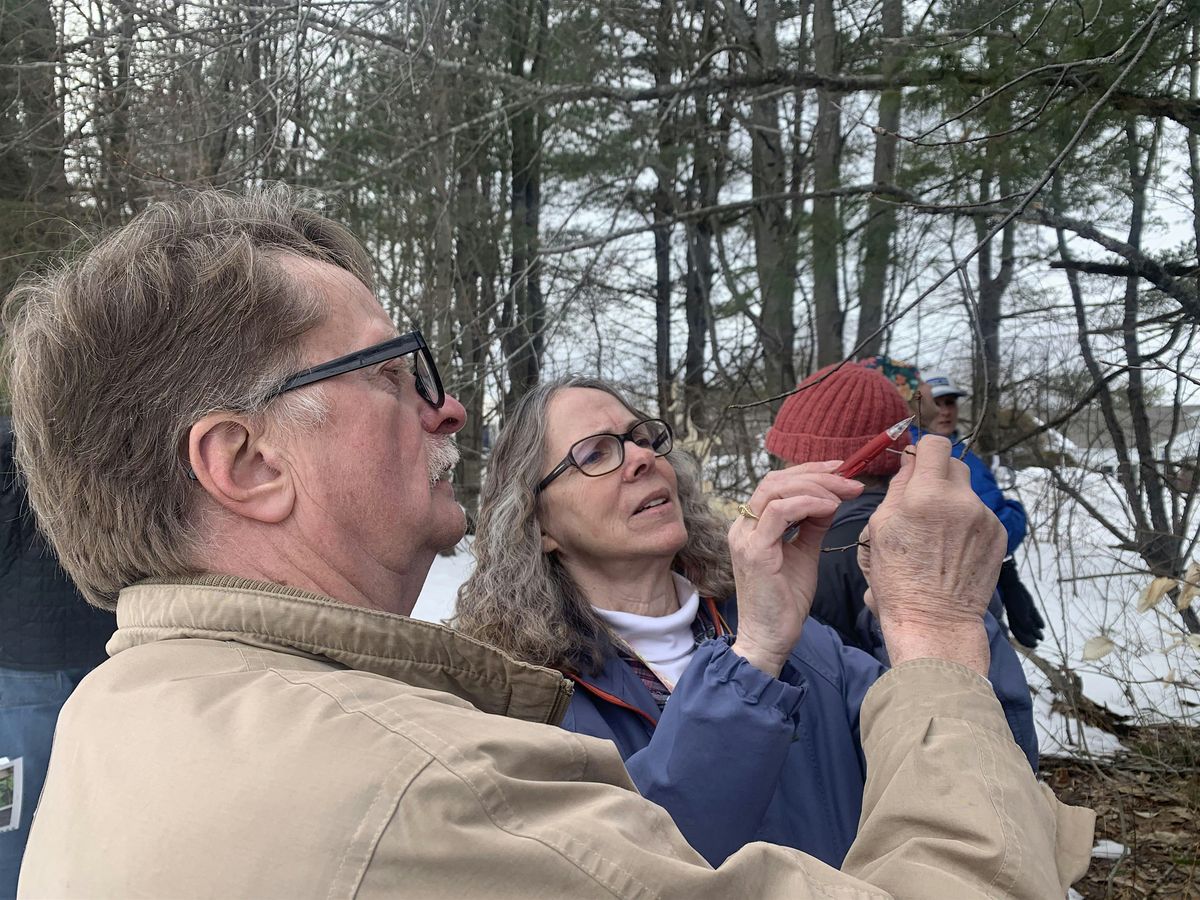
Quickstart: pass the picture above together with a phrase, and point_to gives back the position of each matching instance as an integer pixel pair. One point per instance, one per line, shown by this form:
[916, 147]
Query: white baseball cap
[942, 385]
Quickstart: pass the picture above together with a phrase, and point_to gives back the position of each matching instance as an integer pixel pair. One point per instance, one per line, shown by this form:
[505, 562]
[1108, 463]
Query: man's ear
[549, 544]
[240, 468]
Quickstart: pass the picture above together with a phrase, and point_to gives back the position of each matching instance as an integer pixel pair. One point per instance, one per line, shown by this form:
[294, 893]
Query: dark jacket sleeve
[1012, 689]
[45, 625]
[838, 599]
[715, 759]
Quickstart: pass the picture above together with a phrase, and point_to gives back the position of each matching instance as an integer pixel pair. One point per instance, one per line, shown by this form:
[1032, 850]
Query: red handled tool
[859, 461]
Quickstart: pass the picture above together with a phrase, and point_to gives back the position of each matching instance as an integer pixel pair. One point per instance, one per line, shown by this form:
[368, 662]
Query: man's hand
[776, 581]
[935, 553]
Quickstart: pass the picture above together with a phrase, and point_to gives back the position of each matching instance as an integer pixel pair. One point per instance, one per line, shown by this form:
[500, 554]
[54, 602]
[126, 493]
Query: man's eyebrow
[406, 361]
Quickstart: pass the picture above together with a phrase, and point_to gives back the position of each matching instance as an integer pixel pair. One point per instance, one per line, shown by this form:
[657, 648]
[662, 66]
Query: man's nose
[447, 419]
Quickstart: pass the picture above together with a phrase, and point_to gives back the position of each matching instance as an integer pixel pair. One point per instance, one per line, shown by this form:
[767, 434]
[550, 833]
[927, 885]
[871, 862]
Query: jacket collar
[261, 614]
[617, 682]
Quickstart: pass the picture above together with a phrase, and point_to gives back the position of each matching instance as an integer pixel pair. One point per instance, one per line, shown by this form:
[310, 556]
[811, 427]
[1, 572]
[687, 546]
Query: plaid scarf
[703, 629]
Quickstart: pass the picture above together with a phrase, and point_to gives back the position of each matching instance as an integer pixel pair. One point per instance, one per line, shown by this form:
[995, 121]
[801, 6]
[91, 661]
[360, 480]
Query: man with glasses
[225, 439]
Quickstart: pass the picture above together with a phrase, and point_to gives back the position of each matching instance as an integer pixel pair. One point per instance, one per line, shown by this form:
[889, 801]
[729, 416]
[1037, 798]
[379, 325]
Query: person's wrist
[962, 642]
[765, 659]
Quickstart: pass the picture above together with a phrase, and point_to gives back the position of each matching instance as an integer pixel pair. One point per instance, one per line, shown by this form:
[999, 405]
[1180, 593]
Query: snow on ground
[1086, 589]
[1058, 442]
[1109, 850]
[436, 603]
[1060, 735]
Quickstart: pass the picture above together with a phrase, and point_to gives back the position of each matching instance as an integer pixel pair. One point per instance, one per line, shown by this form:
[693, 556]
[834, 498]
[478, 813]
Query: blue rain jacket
[738, 756]
[983, 482]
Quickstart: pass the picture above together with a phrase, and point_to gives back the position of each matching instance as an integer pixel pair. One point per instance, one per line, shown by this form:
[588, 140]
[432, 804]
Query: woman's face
[628, 515]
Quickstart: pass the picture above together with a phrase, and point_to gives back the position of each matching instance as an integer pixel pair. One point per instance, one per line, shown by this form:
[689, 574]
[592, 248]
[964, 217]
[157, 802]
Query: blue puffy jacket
[737, 756]
[983, 482]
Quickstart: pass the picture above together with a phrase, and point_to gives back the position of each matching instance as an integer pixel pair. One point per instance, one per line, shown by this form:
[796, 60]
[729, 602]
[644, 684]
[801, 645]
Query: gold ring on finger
[746, 512]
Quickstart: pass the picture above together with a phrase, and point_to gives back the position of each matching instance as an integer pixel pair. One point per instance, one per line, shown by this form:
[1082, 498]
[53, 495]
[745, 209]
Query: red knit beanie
[834, 413]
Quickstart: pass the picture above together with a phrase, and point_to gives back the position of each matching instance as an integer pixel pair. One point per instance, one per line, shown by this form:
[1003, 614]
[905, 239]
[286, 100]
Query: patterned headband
[905, 376]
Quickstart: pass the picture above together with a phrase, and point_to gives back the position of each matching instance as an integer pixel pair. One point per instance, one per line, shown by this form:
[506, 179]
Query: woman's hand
[776, 581]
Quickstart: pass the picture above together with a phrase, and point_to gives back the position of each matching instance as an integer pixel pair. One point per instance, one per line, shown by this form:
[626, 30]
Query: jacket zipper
[615, 700]
[562, 699]
[722, 629]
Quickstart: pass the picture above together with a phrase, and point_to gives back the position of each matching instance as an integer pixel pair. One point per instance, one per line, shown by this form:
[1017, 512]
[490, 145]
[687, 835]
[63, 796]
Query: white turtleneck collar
[665, 643]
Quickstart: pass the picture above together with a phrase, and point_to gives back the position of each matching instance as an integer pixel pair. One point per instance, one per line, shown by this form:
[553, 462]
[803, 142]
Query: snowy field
[1137, 664]
[1088, 593]
[436, 603]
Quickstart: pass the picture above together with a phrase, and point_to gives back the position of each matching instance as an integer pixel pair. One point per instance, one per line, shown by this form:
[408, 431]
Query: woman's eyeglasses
[599, 454]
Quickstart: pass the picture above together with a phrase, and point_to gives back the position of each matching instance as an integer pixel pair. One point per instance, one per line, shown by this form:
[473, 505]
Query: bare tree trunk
[440, 264]
[32, 138]
[260, 62]
[664, 192]
[699, 280]
[1105, 396]
[474, 290]
[114, 196]
[220, 80]
[1161, 545]
[881, 215]
[993, 282]
[525, 320]
[34, 192]
[662, 303]
[477, 274]
[1193, 137]
[994, 276]
[774, 239]
[14, 167]
[47, 139]
[703, 189]
[826, 225]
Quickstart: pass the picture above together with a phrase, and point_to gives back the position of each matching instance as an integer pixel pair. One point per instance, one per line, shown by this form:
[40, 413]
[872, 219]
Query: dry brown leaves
[1151, 806]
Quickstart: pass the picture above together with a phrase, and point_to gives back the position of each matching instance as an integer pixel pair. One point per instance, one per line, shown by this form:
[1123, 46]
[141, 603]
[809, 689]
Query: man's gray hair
[522, 599]
[112, 357]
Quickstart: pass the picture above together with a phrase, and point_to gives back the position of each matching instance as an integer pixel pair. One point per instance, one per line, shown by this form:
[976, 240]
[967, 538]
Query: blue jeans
[29, 705]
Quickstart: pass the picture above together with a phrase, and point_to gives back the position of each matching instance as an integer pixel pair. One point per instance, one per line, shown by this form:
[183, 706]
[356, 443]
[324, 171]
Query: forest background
[708, 199]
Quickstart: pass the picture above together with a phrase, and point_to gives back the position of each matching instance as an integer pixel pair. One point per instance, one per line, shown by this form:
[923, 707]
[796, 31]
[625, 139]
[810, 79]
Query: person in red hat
[833, 413]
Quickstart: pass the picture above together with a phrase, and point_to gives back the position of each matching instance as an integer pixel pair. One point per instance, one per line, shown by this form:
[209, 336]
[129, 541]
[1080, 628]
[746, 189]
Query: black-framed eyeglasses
[599, 454]
[428, 381]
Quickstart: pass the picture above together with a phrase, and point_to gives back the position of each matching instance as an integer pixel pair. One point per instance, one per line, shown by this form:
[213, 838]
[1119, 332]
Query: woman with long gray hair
[597, 554]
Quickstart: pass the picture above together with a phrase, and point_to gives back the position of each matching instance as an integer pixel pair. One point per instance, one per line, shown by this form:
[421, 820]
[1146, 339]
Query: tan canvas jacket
[247, 740]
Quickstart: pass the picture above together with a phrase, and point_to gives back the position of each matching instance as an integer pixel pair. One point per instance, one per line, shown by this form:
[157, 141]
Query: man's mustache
[442, 456]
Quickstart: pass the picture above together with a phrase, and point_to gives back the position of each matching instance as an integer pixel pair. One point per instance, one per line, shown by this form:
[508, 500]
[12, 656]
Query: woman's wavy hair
[521, 598]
